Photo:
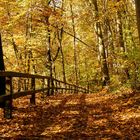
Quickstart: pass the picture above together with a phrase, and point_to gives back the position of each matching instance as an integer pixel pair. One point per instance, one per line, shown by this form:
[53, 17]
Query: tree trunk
[2, 68]
[75, 48]
[60, 35]
[50, 62]
[49, 57]
[102, 49]
[137, 3]
[122, 45]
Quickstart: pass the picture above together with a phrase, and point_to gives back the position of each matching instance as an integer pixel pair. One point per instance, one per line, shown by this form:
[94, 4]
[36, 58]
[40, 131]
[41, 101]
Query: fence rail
[23, 84]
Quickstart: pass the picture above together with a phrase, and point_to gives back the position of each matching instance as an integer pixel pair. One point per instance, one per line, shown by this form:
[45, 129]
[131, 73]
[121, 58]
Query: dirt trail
[99, 116]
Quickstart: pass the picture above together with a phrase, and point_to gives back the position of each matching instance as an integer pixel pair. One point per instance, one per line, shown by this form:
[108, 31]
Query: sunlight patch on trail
[72, 102]
[124, 116]
[69, 112]
[55, 102]
[59, 128]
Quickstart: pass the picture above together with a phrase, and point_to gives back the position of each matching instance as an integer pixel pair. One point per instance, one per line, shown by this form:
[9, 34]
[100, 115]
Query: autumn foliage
[81, 116]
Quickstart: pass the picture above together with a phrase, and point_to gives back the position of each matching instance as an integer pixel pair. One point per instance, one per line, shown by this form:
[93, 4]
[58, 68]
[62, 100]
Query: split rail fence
[23, 84]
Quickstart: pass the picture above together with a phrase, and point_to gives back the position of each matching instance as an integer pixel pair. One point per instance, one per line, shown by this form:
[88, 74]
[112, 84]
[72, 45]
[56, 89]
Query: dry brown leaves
[107, 116]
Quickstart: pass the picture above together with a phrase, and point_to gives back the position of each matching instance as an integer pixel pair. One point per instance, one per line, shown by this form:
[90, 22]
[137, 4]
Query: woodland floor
[98, 116]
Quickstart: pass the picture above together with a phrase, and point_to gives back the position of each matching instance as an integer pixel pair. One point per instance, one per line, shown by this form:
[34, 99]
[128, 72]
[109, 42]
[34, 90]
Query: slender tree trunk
[75, 48]
[15, 47]
[137, 3]
[49, 57]
[87, 74]
[2, 68]
[122, 44]
[60, 35]
[111, 45]
[28, 39]
[102, 50]
[50, 60]
[27, 54]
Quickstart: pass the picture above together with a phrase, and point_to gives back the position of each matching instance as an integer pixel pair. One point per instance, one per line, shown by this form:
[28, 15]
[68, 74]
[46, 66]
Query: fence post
[77, 90]
[74, 89]
[69, 89]
[42, 86]
[19, 84]
[65, 91]
[32, 99]
[52, 86]
[8, 103]
[25, 84]
[62, 90]
[56, 90]
[48, 82]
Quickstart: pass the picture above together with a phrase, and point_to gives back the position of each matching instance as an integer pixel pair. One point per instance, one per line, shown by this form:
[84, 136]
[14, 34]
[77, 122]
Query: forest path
[98, 116]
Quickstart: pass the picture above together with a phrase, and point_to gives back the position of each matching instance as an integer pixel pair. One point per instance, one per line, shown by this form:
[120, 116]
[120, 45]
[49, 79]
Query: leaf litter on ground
[101, 115]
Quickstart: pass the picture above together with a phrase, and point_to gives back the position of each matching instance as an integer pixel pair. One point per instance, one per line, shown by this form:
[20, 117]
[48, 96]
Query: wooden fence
[23, 84]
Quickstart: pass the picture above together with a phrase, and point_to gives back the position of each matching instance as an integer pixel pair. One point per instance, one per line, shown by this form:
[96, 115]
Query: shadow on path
[82, 117]
[44, 118]
[79, 125]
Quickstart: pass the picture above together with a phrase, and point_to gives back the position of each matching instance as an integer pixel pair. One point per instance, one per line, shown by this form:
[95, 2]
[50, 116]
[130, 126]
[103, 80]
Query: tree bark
[60, 35]
[122, 44]
[75, 48]
[2, 68]
[137, 3]
[102, 49]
